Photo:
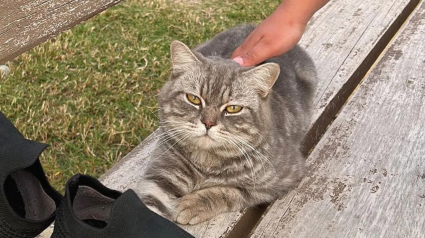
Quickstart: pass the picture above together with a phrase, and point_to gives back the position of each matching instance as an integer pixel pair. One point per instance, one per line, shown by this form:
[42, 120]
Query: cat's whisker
[248, 160]
[154, 114]
[175, 133]
[187, 136]
[262, 137]
[162, 140]
[247, 157]
[168, 135]
[225, 146]
[261, 156]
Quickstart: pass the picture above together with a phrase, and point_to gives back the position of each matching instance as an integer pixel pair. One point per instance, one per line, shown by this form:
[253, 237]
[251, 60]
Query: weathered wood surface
[344, 39]
[25, 24]
[367, 174]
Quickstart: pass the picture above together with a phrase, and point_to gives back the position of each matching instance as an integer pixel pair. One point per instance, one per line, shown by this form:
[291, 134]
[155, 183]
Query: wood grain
[367, 174]
[340, 38]
[25, 24]
[357, 33]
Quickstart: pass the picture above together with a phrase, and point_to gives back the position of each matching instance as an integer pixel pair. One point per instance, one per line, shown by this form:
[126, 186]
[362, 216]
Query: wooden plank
[341, 37]
[367, 174]
[25, 24]
[344, 43]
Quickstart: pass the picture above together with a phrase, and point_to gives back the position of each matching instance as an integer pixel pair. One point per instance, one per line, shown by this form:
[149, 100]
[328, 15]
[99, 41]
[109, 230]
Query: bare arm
[278, 33]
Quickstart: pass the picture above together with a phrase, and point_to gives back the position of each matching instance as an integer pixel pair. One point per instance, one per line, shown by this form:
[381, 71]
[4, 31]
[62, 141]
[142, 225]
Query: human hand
[278, 33]
[269, 39]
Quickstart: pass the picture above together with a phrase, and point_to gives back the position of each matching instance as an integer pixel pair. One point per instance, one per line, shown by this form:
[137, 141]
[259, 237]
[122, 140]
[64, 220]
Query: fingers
[259, 53]
[258, 46]
[248, 43]
[239, 60]
[251, 56]
[267, 43]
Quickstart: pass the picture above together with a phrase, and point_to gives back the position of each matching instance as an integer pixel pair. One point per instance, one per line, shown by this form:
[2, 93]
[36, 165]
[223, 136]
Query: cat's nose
[209, 116]
[208, 124]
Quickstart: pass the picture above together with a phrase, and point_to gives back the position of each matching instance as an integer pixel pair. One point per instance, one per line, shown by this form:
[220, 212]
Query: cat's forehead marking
[226, 97]
[217, 89]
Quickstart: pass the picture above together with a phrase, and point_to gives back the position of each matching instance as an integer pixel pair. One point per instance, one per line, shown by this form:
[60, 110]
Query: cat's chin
[206, 142]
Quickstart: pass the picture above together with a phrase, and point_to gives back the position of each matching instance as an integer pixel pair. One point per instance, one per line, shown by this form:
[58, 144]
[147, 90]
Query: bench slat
[340, 38]
[344, 41]
[25, 24]
[367, 174]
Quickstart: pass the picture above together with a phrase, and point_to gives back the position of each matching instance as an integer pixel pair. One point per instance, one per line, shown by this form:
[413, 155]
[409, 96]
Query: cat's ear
[263, 77]
[181, 56]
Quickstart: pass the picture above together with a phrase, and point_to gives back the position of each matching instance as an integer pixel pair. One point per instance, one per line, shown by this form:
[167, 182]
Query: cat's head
[212, 103]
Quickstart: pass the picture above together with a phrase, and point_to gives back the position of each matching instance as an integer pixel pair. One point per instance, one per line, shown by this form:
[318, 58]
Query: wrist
[297, 12]
[290, 24]
[289, 20]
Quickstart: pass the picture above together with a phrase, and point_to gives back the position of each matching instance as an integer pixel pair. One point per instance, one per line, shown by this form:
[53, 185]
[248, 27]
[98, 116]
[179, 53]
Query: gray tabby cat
[230, 136]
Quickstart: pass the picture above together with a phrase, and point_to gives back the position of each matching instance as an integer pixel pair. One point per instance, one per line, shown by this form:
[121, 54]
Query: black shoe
[27, 201]
[89, 209]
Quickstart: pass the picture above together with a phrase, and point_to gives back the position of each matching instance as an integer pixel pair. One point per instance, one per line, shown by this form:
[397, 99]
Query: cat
[230, 136]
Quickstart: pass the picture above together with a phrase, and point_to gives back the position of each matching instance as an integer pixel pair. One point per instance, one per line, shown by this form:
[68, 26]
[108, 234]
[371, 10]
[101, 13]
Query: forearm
[297, 11]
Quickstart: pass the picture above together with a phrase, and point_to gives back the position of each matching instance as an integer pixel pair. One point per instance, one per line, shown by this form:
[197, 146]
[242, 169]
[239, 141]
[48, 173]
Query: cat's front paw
[193, 209]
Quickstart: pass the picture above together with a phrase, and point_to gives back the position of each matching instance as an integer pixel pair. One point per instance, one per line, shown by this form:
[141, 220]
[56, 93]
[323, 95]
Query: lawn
[91, 92]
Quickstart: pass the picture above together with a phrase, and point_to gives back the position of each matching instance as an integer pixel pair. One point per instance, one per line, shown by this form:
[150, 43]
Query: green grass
[91, 92]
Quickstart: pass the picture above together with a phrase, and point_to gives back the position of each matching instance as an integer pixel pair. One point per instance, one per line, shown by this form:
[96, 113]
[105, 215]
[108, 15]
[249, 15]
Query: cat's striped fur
[207, 160]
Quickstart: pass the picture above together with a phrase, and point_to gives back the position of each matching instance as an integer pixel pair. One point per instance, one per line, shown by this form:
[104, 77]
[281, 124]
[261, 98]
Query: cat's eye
[233, 109]
[193, 99]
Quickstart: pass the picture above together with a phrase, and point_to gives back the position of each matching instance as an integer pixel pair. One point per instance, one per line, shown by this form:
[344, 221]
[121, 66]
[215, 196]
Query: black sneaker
[89, 209]
[27, 201]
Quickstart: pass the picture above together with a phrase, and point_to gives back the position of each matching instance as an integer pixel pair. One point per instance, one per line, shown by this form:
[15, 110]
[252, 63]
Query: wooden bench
[366, 173]
[345, 38]
[25, 24]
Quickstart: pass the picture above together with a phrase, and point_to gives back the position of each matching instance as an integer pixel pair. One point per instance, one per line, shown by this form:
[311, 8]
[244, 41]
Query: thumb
[257, 54]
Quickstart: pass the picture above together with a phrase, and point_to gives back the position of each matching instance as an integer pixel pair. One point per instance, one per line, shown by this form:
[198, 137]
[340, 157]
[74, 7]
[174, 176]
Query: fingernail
[239, 60]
